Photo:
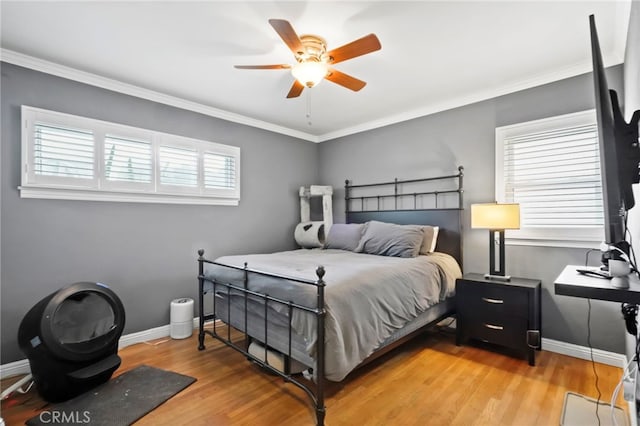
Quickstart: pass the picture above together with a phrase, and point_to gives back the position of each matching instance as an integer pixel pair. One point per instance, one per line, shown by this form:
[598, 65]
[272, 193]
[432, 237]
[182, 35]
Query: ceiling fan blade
[295, 90]
[287, 34]
[263, 67]
[345, 80]
[362, 46]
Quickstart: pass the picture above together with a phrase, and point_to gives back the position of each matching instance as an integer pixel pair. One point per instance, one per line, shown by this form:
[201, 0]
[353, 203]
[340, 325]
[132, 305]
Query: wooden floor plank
[429, 380]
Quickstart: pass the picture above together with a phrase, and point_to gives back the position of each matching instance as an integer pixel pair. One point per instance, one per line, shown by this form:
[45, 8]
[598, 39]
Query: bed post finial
[201, 253]
[320, 272]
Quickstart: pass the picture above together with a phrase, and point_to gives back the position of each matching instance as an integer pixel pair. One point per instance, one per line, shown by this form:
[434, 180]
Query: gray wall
[145, 252]
[438, 143]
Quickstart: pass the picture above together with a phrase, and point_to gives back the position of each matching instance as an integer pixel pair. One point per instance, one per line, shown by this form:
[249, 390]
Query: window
[77, 158]
[127, 159]
[551, 167]
[63, 152]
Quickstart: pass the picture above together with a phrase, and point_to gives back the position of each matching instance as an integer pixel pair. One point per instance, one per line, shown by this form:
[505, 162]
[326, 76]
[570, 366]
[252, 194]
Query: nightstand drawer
[510, 333]
[482, 300]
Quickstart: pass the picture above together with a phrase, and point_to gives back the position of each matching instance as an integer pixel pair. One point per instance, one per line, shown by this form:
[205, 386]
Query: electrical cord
[629, 313]
[632, 253]
[593, 362]
[18, 387]
[625, 375]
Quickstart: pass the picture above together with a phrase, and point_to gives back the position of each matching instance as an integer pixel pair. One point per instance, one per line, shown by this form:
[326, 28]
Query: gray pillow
[344, 236]
[389, 239]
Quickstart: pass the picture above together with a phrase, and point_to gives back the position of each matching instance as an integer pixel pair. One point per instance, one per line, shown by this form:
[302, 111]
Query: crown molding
[483, 95]
[69, 73]
[106, 83]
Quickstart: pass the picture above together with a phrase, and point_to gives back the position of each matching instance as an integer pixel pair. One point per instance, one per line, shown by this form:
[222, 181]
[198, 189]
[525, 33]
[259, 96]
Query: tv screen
[619, 151]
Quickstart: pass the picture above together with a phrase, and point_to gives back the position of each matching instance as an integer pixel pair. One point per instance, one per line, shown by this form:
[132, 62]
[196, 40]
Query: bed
[383, 276]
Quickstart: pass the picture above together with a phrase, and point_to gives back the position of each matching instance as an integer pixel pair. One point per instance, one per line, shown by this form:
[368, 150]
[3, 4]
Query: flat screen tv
[619, 152]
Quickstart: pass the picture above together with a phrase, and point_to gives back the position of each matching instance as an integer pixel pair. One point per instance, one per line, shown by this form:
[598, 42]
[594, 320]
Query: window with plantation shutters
[551, 168]
[127, 159]
[65, 152]
[219, 171]
[78, 158]
[178, 166]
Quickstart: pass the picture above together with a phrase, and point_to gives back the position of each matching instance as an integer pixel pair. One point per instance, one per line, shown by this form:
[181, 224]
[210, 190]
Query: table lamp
[496, 218]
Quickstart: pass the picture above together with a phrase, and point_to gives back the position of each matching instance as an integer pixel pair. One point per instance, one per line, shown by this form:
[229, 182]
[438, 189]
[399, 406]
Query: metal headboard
[418, 206]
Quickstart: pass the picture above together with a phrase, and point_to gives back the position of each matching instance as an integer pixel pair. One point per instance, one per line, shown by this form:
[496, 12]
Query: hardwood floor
[429, 380]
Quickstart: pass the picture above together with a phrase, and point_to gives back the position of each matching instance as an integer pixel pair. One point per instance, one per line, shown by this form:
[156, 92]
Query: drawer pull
[496, 301]
[494, 327]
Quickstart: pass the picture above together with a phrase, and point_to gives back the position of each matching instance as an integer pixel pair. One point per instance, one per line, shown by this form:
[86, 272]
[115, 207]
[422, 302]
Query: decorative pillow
[344, 236]
[430, 239]
[389, 239]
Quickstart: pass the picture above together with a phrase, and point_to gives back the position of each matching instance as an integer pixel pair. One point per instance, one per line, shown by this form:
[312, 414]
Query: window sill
[124, 197]
[582, 244]
[583, 238]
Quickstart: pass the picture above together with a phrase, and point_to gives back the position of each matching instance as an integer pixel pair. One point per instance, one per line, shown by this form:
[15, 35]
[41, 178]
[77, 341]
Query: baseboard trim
[21, 367]
[16, 368]
[582, 352]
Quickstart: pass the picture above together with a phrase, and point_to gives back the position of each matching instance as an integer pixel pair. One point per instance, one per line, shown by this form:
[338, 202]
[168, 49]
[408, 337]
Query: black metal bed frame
[315, 389]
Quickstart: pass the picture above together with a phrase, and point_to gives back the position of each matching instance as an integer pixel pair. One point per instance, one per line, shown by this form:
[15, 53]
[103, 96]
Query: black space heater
[71, 339]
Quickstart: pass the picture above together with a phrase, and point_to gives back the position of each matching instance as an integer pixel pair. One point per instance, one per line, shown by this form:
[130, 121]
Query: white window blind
[63, 151]
[219, 171]
[127, 160]
[552, 169]
[178, 166]
[78, 158]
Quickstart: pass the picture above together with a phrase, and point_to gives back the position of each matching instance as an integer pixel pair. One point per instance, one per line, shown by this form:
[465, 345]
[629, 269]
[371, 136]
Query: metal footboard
[314, 389]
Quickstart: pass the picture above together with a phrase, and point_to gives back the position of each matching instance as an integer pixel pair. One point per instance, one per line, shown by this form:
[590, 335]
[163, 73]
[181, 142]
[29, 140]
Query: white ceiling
[434, 56]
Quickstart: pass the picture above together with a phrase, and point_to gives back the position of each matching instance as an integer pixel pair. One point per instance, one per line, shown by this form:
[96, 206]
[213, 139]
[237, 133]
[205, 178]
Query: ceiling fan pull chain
[308, 115]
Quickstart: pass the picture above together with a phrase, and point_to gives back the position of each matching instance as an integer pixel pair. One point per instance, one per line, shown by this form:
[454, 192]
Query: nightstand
[502, 313]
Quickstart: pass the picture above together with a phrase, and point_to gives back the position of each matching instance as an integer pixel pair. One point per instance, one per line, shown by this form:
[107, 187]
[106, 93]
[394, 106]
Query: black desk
[571, 283]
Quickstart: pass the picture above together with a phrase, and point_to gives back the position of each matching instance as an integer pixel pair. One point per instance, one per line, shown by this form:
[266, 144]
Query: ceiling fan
[314, 62]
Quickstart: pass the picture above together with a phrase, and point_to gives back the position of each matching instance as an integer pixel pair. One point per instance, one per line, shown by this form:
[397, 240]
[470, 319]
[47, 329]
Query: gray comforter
[367, 297]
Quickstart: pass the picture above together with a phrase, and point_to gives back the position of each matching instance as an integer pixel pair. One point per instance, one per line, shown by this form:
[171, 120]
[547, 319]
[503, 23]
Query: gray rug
[119, 402]
[580, 410]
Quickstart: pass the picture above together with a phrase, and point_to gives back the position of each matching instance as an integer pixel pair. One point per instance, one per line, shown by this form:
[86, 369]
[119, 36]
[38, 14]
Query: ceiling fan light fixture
[313, 62]
[310, 73]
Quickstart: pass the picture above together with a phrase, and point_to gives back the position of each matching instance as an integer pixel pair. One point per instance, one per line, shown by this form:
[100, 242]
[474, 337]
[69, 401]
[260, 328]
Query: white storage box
[274, 359]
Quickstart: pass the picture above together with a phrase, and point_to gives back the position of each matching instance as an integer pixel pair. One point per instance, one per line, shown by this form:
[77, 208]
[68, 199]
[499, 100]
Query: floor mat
[580, 410]
[119, 402]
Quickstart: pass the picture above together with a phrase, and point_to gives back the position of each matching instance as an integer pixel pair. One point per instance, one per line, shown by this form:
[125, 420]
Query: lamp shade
[495, 216]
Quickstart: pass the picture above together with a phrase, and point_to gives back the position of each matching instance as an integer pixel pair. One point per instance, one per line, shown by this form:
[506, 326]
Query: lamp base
[504, 278]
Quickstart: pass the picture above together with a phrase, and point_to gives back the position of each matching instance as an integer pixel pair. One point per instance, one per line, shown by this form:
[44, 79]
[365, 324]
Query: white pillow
[430, 239]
